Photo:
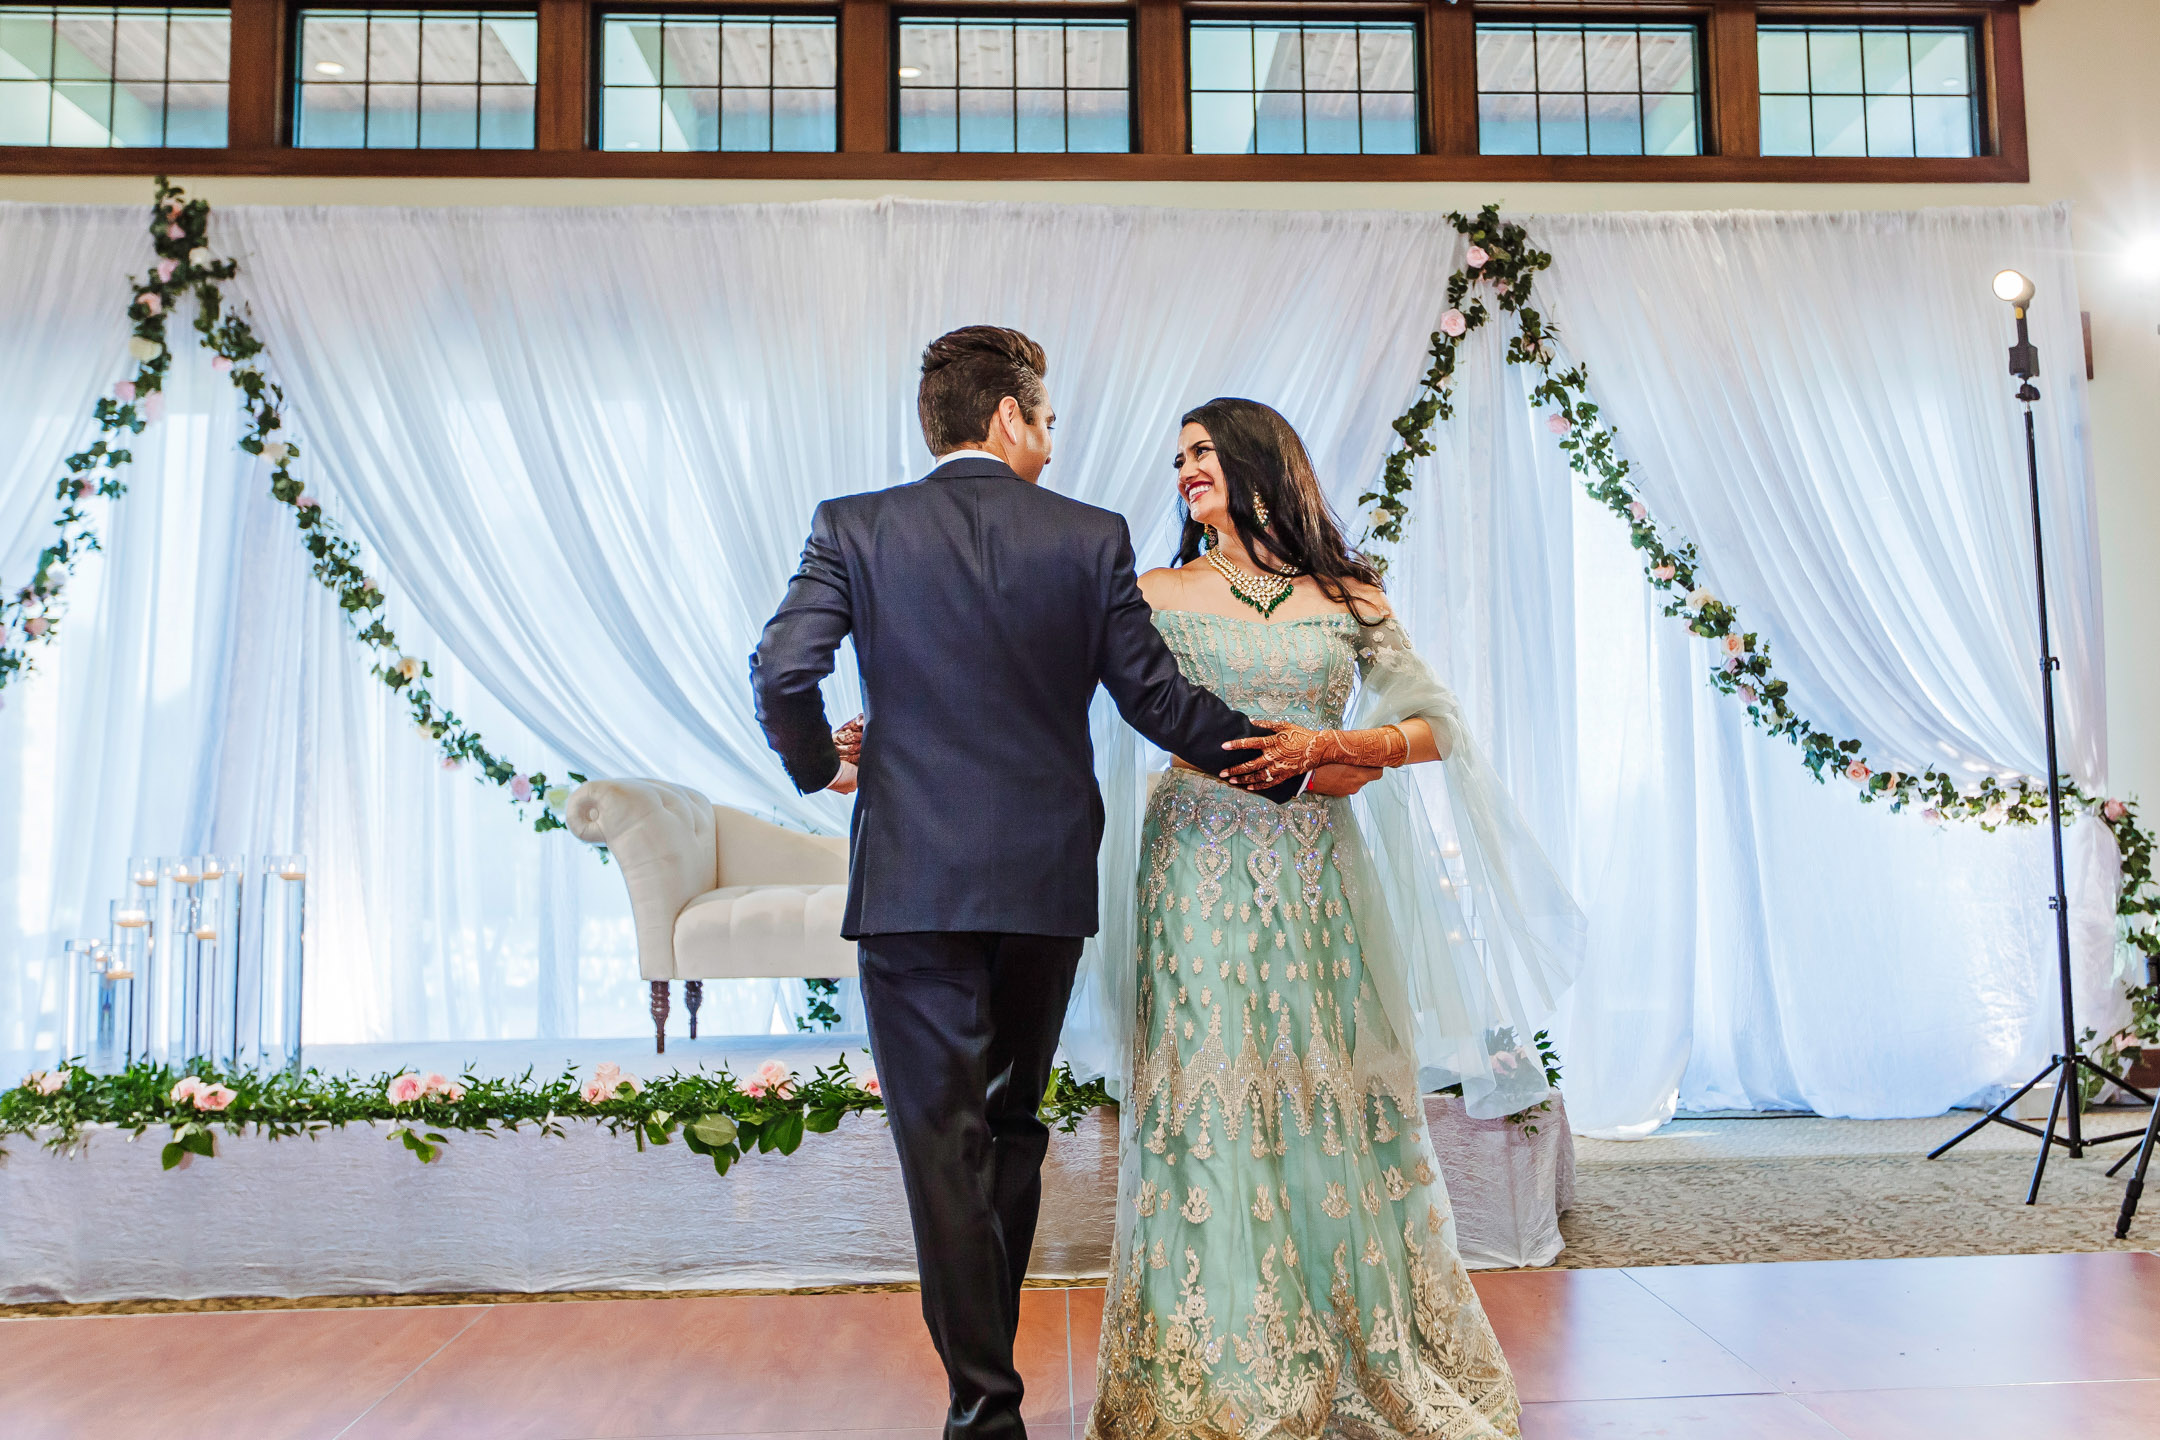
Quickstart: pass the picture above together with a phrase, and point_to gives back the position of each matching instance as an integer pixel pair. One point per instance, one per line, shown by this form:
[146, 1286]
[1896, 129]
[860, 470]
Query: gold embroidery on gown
[1332, 1301]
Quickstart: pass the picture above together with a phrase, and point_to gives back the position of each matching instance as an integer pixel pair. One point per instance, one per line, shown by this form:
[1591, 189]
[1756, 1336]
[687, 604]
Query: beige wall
[2094, 117]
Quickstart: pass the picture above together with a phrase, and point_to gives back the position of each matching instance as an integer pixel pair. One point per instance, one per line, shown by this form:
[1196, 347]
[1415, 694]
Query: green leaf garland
[1501, 262]
[187, 269]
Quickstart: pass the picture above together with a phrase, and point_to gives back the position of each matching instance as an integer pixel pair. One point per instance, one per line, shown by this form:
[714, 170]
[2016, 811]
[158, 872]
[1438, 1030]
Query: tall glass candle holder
[212, 938]
[187, 999]
[128, 962]
[284, 958]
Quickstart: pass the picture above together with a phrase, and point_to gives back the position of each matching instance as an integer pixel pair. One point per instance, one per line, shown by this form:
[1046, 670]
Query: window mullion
[258, 93]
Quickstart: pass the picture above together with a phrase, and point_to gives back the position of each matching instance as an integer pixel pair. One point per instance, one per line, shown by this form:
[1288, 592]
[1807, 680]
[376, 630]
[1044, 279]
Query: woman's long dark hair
[1261, 455]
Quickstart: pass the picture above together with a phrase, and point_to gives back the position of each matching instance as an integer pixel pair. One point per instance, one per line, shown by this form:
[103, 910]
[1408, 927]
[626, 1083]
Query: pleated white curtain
[582, 447]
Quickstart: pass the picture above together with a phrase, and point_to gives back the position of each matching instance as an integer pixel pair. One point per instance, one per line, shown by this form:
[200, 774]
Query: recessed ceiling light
[328, 67]
[910, 72]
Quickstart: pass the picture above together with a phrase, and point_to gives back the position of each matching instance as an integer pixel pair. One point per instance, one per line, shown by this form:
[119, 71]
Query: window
[100, 76]
[1031, 85]
[1328, 87]
[719, 82]
[1588, 90]
[1868, 90]
[405, 79]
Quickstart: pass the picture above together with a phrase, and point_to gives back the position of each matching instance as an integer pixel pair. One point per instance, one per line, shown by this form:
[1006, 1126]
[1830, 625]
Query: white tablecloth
[352, 1213]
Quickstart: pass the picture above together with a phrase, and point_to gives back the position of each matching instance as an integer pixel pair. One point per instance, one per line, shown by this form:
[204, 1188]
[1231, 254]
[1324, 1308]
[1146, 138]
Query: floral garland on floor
[1500, 260]
[717, 1115]
[186, 269]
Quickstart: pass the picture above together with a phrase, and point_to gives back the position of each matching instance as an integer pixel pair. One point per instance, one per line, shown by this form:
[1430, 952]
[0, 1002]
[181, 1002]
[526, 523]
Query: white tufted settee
[716, 894]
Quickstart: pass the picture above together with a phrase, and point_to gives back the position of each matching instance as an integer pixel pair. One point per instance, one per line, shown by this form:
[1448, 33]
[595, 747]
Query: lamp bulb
[2013, 287]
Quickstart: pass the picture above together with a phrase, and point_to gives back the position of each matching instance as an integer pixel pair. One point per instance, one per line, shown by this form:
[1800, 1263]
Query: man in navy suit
[985, 610]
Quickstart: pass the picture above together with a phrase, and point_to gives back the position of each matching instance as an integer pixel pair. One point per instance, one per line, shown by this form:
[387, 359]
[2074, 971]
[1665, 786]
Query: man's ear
[1011, 419]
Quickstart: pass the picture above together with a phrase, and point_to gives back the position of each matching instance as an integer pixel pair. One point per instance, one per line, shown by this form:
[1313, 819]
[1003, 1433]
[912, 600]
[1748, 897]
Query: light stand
[2144, 1152]
[2069, 1066]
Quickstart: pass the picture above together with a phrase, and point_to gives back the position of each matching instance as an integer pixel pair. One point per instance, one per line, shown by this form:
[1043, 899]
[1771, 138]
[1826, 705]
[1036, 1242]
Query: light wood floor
[2019, 1347]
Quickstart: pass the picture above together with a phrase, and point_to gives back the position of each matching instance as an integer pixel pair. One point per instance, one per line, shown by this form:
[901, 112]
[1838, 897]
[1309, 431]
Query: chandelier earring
[1211, 539]
[1259, 510]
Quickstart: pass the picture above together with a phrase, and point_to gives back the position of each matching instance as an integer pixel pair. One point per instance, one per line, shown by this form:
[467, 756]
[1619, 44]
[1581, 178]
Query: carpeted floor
[1706, 1192]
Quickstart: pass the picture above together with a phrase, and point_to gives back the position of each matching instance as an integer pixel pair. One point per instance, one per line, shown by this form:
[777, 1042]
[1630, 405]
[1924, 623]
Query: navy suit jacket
[985, 610]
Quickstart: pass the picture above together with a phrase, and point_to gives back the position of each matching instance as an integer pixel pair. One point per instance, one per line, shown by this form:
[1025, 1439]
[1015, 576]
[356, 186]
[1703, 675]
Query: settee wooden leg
[693, 995]
[659, 1016]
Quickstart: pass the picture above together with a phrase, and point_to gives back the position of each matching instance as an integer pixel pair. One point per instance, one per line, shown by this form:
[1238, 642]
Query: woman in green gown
[1277, 986]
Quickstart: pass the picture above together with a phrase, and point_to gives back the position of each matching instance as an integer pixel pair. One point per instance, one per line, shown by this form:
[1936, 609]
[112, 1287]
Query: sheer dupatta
[1468, 934]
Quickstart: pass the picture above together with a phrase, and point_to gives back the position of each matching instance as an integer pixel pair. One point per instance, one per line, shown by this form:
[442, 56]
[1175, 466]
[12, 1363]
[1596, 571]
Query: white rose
[199, 256]
[557, 796]
[145, 350]
[276, 451]
[1698, 598]
[1382, 515]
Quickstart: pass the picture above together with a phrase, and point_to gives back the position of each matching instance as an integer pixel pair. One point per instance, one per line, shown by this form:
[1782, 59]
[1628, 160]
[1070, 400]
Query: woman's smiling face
[1200, 478]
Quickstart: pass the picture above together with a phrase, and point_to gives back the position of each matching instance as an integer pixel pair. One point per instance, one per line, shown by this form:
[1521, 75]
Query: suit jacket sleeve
[796, 653]
[1154, 696]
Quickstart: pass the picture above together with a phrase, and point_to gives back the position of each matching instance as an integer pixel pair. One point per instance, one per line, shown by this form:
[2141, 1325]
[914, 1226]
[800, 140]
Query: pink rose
[124, 392]
[165, 269]
[153, 406]
[1452, 323]
[34, 626]
[1734, 644]
[1662, 572]
[307, 502]
[451, 762]
[221, 363]
[215, 1097]
[175, 231]
[1732, 664]
[151, 301]
[440, 1084]
[1637, 509]
[1501, 286]
[405, 1089]
[1932, 815]
[871, 1087]
[45, 1082]
[82, 488]
[772, 1078]
[1504, 1062]
[1475, 257]
[1558, 424]
[520, 788]
[1857, 773]
[1747, 693]
[2114, 810]
[608, 1081]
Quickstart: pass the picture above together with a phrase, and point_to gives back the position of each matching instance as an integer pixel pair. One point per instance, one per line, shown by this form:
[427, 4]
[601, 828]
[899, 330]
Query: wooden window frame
[565, 122]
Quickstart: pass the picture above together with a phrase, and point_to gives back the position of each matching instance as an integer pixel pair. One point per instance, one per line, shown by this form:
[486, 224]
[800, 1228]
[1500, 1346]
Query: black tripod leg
[2136, 1187]
[1986, 1120]
[2047, 1141]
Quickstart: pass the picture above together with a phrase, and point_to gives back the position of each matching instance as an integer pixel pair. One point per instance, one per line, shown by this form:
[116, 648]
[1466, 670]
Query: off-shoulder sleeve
[1398, 685]
[1476, 937]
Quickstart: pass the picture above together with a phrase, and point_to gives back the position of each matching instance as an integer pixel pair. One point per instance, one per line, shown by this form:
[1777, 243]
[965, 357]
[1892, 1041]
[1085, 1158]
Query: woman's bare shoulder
[1372, 601]
[1161, 587]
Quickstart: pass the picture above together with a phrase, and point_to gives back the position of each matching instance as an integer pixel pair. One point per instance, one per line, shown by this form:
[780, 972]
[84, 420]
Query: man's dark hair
[966, 374]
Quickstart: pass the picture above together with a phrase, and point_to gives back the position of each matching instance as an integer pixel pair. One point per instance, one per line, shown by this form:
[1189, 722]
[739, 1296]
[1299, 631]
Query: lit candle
[1451, 850]
[146, 881]
[292, 870]
[206, 932]
[185, 875]
[213, 869]
[131, 918]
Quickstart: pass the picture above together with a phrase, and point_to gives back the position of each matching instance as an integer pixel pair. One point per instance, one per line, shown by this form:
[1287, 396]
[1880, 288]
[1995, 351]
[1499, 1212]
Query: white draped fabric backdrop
[581, 448]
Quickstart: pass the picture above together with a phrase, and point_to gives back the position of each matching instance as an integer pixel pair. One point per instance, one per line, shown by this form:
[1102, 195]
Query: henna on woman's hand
[848, 741]
[1293, 750]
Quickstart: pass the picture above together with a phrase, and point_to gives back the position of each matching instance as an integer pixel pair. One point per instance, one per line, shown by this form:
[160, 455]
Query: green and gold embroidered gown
[1285, 1261]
